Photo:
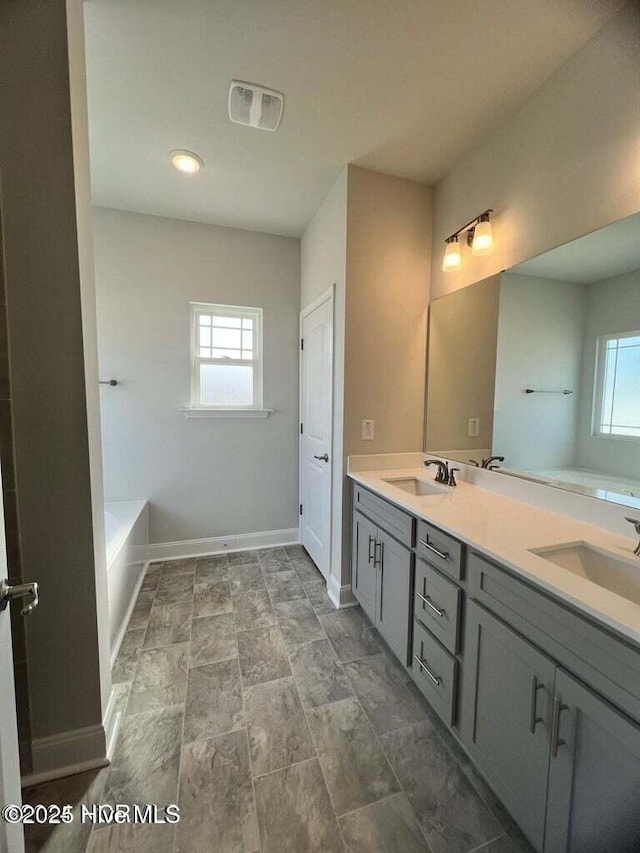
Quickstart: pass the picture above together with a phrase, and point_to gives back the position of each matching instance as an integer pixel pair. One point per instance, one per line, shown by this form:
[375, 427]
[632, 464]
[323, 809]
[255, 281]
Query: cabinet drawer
[604, 661]
[437, 605]
[396, 522]
[435, 672]
[439, 549]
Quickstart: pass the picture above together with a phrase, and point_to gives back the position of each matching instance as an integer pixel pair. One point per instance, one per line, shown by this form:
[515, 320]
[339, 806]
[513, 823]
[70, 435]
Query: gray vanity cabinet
[382, 572]
[364, 570]
[508, 689]
[594, 775]
[393, 612]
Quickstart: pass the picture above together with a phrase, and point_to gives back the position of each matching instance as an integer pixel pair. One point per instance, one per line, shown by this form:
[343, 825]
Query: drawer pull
[435, 678]
[534, 719]
[442, 554]
[426, 600]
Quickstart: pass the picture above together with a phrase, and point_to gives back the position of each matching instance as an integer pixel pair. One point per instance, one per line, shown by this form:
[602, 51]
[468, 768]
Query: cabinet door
[594, 775]
[508, 689]
[364, 563]
[395, 565]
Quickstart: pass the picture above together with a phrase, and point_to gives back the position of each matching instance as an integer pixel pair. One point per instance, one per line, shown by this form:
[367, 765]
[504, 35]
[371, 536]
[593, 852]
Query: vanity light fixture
[479, 239]
[186, 161]
[452, 258]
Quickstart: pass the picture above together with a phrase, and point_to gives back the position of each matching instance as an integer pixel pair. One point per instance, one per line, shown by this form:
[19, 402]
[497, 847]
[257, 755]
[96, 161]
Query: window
[617, 397]
[226, 357]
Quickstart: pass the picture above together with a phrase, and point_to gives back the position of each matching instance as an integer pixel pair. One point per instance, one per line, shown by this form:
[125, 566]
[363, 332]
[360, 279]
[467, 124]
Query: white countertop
[505, 530]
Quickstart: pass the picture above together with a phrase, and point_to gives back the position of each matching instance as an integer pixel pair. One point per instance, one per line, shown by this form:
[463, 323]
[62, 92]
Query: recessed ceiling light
[186, 161]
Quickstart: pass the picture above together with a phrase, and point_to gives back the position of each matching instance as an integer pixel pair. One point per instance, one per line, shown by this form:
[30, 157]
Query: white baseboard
[220, 544]
[122, 630]
[341, 596]
[66, 754]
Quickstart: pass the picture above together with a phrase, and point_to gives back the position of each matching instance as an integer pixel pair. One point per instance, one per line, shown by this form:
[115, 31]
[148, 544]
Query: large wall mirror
[541, 365]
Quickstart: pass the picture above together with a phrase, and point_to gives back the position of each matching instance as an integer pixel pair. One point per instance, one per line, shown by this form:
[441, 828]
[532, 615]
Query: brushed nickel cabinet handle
[371, 556]
[435, 678]
[377, 555]
[533, 718]
[426, 600]
[556, 742]
[442, 554]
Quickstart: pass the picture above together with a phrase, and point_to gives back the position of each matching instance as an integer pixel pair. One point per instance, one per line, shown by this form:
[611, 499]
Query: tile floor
[278, 724]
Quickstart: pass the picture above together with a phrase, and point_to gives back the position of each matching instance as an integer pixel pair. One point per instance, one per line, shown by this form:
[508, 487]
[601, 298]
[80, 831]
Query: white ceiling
[606, 253]
[399, 86]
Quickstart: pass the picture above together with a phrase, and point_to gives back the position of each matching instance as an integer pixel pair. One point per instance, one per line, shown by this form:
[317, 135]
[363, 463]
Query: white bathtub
[127, 542]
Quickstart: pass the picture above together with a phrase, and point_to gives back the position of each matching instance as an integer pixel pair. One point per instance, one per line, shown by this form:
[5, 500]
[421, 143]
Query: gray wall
[52, 467]
[203, 477]
[540, 328]
[612, 306]
[565, 164]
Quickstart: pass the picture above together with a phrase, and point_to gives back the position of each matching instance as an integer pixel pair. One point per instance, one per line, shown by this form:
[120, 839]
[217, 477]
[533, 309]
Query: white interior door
[316, 407]
[11, 836]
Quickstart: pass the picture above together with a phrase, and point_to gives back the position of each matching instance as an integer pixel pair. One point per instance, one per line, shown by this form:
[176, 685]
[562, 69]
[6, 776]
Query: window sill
[195, 412]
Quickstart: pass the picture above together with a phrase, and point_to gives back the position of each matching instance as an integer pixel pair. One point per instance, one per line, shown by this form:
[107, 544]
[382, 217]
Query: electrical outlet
[473, 427]
[368, 430]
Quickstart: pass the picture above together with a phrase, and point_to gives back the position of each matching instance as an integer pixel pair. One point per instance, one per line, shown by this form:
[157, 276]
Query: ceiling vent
[254, 105]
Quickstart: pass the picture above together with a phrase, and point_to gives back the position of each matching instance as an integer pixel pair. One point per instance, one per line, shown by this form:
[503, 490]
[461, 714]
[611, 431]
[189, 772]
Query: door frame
[327, 295]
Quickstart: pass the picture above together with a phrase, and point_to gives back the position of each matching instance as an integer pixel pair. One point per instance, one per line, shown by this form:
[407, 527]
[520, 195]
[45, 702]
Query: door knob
[22, 590]
[323, 458]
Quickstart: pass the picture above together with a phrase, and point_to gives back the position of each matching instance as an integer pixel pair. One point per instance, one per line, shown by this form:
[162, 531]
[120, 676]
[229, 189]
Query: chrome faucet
[445, 474]
[636, 524]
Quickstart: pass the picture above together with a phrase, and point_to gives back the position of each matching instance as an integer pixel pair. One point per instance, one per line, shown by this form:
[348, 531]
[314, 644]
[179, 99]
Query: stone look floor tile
[145, 764]
[296, 552]
[452, 816]
[168, 624]
[387, 702]
[127, 661]
[151, 578]
[318, 598]
[499, 845]
[351, 634]
[132, 838]
[295, 813]
[263, 655]
[298, 622]
[388, 826]
[213, 638]
[284, 586]
[276, 724]
[210, 598]
[214, 701]
[160, 680]
[240, 558]
[274, 560]
[318, 674]
[217, 810]
[187, 565]
[354, 766]
[174, 588]
[215, 568]
[246, 578]
[253, 609]
[141, 611]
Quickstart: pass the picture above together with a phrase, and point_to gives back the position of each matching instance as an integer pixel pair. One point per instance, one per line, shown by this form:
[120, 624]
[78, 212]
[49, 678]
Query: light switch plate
[473, 427]
[368, 430]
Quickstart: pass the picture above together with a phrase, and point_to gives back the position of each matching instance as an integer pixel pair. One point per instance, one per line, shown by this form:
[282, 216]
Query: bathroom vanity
[511, 621]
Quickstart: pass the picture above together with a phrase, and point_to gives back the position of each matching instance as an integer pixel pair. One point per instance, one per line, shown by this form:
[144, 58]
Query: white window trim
[598, 387]
[198, 410]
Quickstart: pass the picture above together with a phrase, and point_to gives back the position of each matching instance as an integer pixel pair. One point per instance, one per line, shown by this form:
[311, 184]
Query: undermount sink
[414, 486]
[600, 567]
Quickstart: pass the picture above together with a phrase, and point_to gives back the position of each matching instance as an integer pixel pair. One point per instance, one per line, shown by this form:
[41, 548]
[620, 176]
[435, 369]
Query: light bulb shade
[186, 161]
[452, 258]
[482, 238]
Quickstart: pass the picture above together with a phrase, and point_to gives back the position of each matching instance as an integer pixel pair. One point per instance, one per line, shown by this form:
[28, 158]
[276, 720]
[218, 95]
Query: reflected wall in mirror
[541, 365]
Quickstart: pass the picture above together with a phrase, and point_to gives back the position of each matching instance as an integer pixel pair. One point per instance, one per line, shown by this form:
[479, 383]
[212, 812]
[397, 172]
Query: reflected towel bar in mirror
[538, 391]
[112, 382]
